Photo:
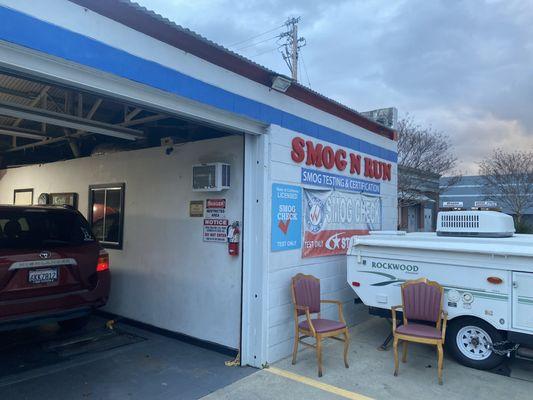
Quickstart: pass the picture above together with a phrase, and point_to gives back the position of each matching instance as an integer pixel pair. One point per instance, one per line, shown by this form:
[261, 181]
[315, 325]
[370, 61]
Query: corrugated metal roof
[189, 32]
[297, 91]
[21, 91]
[174, 25]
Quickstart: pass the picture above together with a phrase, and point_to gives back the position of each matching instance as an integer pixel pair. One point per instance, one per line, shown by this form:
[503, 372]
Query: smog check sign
[286, 227]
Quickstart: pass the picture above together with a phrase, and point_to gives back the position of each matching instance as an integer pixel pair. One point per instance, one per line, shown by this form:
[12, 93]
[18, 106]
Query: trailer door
[523, 301]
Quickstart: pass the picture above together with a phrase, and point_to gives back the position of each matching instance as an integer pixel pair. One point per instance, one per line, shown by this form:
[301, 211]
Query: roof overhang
[142, 20]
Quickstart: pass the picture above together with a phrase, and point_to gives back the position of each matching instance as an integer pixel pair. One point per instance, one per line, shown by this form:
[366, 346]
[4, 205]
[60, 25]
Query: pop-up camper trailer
[486, 269]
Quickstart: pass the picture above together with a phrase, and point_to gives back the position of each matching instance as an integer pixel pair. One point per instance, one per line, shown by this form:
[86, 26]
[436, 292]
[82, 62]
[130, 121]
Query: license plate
[47, 275]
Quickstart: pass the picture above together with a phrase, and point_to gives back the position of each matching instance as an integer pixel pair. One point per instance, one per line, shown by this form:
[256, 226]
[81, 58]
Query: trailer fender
[456, 318]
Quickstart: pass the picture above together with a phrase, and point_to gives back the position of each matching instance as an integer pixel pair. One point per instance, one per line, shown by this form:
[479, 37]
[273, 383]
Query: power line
[290, 49]
[256, 36]
[264, 52]
[305, 69]
[256, 43]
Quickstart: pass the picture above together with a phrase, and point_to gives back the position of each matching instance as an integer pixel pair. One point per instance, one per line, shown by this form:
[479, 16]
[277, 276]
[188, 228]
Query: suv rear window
[42, 228]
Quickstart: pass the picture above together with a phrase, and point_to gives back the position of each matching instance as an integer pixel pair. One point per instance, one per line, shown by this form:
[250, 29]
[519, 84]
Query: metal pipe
[68, 121]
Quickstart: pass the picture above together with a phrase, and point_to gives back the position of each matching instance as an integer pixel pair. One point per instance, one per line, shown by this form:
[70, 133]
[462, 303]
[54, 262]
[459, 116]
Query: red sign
[216, 203]
[322, 156]
[215, 222]
[215, 208]
[329, 243]
[332, 218]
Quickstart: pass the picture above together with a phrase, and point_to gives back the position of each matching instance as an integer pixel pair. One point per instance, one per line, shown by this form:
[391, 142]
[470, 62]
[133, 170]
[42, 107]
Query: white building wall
[281, 266]
[331, 270]
[165, 275]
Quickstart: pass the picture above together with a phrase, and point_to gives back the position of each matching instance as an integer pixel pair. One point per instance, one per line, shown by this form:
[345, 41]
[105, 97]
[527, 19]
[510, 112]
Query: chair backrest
[422, 300]
[306, 293]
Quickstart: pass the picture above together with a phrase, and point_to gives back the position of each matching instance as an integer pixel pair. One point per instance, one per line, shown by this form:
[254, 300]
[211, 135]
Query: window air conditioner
[211, 177]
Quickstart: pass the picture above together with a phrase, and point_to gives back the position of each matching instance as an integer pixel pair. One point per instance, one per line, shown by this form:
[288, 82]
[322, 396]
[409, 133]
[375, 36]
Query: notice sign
[286, 217]
[215, 230]
[331, 218]
[215, 208]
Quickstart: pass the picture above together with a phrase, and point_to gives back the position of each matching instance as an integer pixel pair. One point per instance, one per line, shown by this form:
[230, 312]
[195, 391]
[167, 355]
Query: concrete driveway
[370, 375]
[96, 363]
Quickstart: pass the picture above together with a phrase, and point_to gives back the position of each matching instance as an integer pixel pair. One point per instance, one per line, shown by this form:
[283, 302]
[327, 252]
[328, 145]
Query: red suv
[51, 267]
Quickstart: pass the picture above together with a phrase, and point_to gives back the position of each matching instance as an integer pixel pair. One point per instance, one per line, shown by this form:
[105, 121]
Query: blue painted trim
[27, 31]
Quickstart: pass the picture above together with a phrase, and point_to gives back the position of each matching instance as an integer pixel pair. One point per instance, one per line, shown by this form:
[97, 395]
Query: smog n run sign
[331, 218]
[286, 217]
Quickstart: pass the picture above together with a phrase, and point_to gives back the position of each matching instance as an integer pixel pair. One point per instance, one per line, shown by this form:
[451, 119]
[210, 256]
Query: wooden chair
[421, 302]
[305, 291]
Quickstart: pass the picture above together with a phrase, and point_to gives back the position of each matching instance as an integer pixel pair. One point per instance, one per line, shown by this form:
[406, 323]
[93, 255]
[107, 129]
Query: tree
[424, 154]
[508, 180]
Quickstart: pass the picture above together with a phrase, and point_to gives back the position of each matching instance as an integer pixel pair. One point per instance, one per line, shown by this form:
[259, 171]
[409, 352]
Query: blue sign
[334, 181]
[286, 217]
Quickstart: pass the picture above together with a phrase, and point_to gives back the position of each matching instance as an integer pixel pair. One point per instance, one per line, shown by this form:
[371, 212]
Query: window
[37, 228]
[106, 213]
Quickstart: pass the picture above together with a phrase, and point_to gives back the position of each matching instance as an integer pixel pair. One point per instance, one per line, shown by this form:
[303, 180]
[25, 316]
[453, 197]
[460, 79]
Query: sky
[464, 68]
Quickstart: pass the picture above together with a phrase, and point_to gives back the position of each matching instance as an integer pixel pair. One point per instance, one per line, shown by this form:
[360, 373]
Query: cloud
[477, 133]
[464, 67]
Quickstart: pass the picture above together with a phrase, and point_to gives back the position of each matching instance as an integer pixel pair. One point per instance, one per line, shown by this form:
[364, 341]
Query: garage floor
[370, 375]
[96, 363]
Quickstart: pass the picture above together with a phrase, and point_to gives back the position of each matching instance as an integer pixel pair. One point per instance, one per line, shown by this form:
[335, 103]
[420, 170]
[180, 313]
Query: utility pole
[292, 45]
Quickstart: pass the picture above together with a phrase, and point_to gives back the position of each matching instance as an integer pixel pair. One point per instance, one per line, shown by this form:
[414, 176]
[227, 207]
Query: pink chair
[305, 291]
[421, 302]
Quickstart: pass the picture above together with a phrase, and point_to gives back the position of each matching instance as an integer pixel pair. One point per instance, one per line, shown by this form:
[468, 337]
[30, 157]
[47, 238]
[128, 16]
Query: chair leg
[319, 354]
[440, 360]
[346, 345]
[295, 350]
[404, 355]
[395, 348]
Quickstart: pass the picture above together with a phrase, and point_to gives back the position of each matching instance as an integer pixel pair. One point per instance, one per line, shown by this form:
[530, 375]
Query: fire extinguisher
[234, 235]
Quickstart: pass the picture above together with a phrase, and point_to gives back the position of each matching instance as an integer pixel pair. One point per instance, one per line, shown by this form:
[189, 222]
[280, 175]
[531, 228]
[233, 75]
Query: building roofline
[154, 25]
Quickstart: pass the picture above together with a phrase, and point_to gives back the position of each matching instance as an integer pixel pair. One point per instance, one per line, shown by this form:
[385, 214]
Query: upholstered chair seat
[305, 290]
[424, 321]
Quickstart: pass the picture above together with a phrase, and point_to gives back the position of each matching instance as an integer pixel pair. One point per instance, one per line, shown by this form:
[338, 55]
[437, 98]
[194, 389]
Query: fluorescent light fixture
[280, 83]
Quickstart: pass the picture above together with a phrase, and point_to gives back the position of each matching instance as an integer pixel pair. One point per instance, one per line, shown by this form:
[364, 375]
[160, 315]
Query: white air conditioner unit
[211, 177]
[475, 224]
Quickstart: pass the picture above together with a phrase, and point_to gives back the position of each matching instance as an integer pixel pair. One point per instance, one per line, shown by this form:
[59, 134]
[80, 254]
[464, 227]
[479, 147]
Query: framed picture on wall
[64, 199]
[23, 197]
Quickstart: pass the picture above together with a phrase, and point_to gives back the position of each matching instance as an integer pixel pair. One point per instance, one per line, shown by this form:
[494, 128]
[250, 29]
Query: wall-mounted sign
[320, 156]
[485, 204]
[331, 218]
[196, 208]
[452, 204]
[335, 181]
[216, 230]
[215, 208]
[286, 227]
[23, 197]
[64, 199]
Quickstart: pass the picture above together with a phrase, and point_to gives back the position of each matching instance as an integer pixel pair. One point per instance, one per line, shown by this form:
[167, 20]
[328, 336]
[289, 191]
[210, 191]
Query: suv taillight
[103, 261]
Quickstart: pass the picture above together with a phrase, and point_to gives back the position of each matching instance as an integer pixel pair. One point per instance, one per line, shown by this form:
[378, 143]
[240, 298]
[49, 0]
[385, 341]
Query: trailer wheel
[470, 339]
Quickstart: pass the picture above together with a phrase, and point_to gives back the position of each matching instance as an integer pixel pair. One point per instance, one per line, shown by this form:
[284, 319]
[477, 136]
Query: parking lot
[370, 375]
[128, 362]
[99, 363]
